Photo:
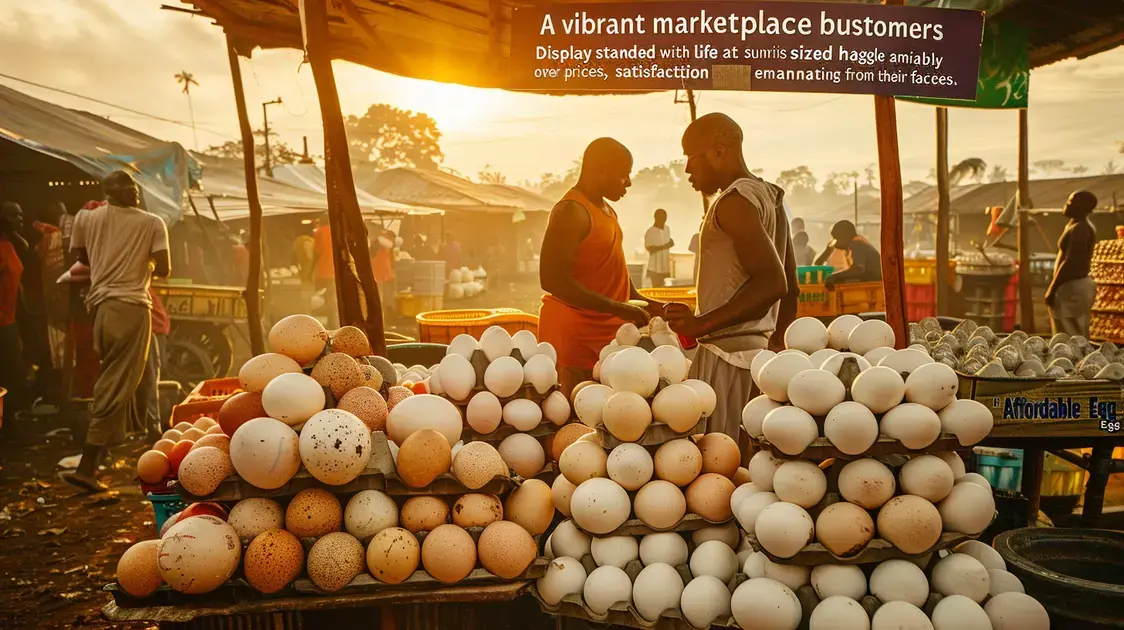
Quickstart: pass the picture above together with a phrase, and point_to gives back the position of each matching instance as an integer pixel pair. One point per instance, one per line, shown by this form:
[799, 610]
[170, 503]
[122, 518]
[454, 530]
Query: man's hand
[776, 341]
[634, 314]
[656, 309]
[683, 321]
[829, 282]
[670, 243]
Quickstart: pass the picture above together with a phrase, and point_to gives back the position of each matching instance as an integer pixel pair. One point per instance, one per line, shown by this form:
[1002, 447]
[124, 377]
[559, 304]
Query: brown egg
[351, 341]
[476, 464]
[240, 409]
[182, 426]
[531, 505]
[368, 405]
[192, 434]
[203, 469]
[153, 466]
[424, 514]
[313, 513]
[448, 554]
[204, 423]
[299, 337]
[566, 436]
[371, 376]
[393, 555]
[172, 436]
[397, 394]
[215, 430]
[164, 446]
[221, 442]
[477, 510]
[678, 461]
[582, 461]
[137, 571]
[339, 373]
[660, 504]
[506, 549]
[422, 457]
[335, 560]
[273, 560]
[709, 497]
[844, 528]
[741, 477]
[720, 454]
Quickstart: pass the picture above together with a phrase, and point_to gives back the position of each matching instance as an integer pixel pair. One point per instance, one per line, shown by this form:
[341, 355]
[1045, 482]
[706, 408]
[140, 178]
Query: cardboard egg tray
[656, 434]
[234, 591]
[822, 449]
[364, 583]
[637, 527]
[505, 430]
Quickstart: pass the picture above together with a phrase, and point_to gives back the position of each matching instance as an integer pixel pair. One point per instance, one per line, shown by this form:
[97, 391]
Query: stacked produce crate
[1108, 310]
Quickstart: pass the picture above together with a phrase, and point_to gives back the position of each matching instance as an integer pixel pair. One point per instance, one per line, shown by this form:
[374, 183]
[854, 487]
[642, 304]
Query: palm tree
[969, 167]
[186, 79]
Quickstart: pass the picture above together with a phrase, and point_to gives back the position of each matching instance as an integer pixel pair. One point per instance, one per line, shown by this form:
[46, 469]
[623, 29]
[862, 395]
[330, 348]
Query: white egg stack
[465, 283]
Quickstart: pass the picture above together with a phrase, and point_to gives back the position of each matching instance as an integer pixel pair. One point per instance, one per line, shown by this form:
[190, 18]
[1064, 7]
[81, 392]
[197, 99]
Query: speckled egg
[203, 470]
[199, 554]
[221, 442]
[397, 394]
[251, 517]
[393, 555]
[506, 549]
[477, 463]
[351, 341]
[238, 410]
[477, 510]
[423, 514]
[335, 446]
[367, 404]
[313, 513]
[371, 376]
[423, 457]
[531, 505]
[338, 372]
[266, 453]
[448, 554]
[256, 373]
[273, 560]
[299, 337]
[335, 560]
[709, 497]
[137, 570]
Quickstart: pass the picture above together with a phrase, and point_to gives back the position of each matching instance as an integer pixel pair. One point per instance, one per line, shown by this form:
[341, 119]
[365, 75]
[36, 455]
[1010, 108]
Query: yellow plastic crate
[924, 271]
[815, 301]
[683, 295]
[859, 297]
[443, 326]
[410, 305]
[200, 302]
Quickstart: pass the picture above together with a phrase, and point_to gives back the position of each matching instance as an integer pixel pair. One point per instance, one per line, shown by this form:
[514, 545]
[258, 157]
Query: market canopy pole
[349, 234]
[1026, 305]
[252, 294]
[890, 182]
[943, 212]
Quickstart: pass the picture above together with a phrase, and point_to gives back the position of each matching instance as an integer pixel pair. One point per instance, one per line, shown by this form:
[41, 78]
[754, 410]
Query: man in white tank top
[747, 289]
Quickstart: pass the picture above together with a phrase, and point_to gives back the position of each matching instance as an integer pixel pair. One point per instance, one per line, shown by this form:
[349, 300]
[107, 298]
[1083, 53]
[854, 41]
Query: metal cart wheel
[197, 352]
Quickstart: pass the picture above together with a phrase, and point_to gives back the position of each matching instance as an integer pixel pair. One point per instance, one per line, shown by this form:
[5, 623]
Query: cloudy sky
[127, 51]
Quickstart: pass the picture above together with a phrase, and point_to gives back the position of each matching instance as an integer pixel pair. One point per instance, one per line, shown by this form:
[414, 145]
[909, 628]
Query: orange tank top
[578, 334]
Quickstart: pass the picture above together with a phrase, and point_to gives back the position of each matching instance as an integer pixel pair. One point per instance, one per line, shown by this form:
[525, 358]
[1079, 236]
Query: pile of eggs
[849, 374]
[638, 383]
[466, 283]
[206, 444]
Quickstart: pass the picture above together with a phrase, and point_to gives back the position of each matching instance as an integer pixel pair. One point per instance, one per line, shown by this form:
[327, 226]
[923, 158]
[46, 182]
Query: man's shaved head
[121, 189]
[605, 171]
[714, 130]
[713, 146]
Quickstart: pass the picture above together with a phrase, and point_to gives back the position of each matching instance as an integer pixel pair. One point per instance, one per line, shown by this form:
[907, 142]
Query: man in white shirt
[657, 240]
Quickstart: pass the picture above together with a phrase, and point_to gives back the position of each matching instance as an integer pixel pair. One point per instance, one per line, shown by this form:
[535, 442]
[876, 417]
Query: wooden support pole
[357, 297]
[890, 182]
[1026, 303]
[252, 294]
[943, 210]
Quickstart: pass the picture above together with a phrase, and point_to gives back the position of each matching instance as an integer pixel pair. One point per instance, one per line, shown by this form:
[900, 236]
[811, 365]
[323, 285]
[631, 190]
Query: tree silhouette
[279, 152]
[1049, 167]
[491, 177]
[969, 167]
[187, 79]
[998, 175]
[388, 137]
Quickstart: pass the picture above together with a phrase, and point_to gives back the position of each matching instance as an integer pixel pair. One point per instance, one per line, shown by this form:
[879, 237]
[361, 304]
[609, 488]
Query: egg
[477, 510]
[955, 462]
[236, 411]
[969, 420]
[816, 391]
[504, 377]
[395, 395]
[790, 429]
[203, 470]
[393, 555]
[899, 581]
[525, 342]
[968, 509]
[564, 576]
[423, 457]
[292, 398]
[777, 373]
[678, 461]
[986, 554]
[368, 513]
[350, 340]
[615, 551]
[956, 612]
[219, 441]
[741, 493]
[704, 601]
[605, 587]
[1001, 581]
[706, 395]
[844, 529]
[338, 372]
[819, 357]
[961, 574]
[1016, 611]
[900, 616]
[589, 403]
[458, 377]
[880, 389]
[842, 580]
[531, 505]
[371, 376]
[424, 411]
[424, 514]
[313, 513]
[915, 426]
[657, 588]
[910, 523]
[540, 373]
[496, 343]
[630, 465]
[566, 436]
[335, 447]
[907, 361]
[368, 405]
[582, 461]
[660, 504]
[506, 549]
[670, 363]
[764, 603]
[754, 412]
[524, 454]
[137, 570]
[165, 445]
[522, 414]
[665, 547]
[569, 541]
[869, 335]
[251, 517]
[561, 491]
[839, 331]
[720, 454]
[839, 613]
[477, 463]
[762, 467]
[834, 363]
[335, 560]
[975, 478]
[800, 482]
[273, 560]
[709, 497]
[928, 477]
[626, 415]
[599, 506]
[266, 453]
[215, 430]
[806, 334]
[851, 428]
[448, 554]
[783, 529]
[632, 370]
[300, 337]
[198, 554]
[153, 466]
[716, 559]
[463, 345]
[179, 452]
[867, 483]
[192, 434]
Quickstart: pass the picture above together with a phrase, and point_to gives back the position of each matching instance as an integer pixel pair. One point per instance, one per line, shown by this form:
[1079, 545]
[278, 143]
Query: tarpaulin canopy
[99, 147]
[313, 177]
[445, 191]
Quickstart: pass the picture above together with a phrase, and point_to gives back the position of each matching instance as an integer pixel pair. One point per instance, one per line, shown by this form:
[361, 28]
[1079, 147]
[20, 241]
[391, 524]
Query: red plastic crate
[920, 301]
[1010, 308]
[215, 388]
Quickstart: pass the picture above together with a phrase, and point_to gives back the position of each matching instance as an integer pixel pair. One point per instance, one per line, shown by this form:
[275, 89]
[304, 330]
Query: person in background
[747, 293]
[797, 226]
[304, 256]
[382, 263]
[805, 255]
[124, 247]
[66, 227]
[657, 240]
[51, 322]
[148, 392]
[12, 371]
[242, 256]
[324, 278]
[694, 249]
[864, 264]
[583, 269]
[451, 253]
[1072, 291]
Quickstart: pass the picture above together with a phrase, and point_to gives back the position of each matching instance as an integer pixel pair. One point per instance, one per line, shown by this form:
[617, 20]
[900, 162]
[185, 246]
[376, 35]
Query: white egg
[783, 529]
[657, 588]
[630, 465]
[839, 613]
[600, 505]
[751, 508]
[800, 482]
[464, 345]
[774, 376]
[525, 342]
[741, 493]
[458, 378]
[869, 335]
[567, 540]
[1016, 611]
[705, 600]
[968, 509]
[556, 408]
[954, 461]
[664, 547]
[764, 603]
[754, 412]
[843, 580]
[879, 388]
[762, 467]
[615, 551]
[933, 385]
[790, 429]
[612, 348]
[899, 581]
[806, 334]
[632, 370]
[969, 420]
[928, 477]
[986, 554]
[754, 565]
[839, 331]
[851, 427]
[714, 558]
[915, 426]
[816, 391]
[678, 406]
[759, 360]
[900, 616]
[977, 479]
[293, 398]
[484, 412]
[540, 373]
[877, 355]
[605, 587]
[335, 446]
[504, 376]
[961, 574]
[906, 361]
[957, 612]
[433, 383]
[522, 414]
[564, 576]
[590, 402]
[627, 335]
[791, 575]
[1000, 581]
[671, 363]
[819, 357]
[706, 395]
[496, 343]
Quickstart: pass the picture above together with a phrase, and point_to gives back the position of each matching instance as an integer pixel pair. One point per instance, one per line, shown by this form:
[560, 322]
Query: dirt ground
[59, 548]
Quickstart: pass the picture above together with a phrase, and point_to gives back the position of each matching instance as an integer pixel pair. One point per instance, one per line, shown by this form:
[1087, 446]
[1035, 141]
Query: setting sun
[454, 107]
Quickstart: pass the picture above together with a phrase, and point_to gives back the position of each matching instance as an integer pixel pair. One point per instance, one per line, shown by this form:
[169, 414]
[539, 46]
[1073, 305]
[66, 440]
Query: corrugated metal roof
[445, 191]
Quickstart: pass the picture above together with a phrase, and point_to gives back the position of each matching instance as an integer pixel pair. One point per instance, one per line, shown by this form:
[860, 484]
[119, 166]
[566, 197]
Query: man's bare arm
[163, 264]
[1080, 243]
[81, 255]
[567, 227]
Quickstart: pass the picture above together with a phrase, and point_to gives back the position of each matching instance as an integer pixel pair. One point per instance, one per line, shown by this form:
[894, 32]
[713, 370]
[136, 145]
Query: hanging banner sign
[1004, 79]
[757, 46]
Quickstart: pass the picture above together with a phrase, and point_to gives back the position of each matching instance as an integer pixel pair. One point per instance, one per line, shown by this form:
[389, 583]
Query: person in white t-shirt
[657, 240]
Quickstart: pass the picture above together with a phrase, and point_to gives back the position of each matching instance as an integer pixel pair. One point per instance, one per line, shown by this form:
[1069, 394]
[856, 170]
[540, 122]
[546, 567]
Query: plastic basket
[813, 274]
[215, 388]
[920, 301]
[683, 295]
[1002, 469]
[1061, 478]
[859, 297]
[924, 271]
[815, 301]
[192, 411]
[164, 506]
[443, 326]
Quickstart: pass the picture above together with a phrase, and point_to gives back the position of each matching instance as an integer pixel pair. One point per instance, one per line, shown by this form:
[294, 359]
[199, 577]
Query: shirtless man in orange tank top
[583, 268]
